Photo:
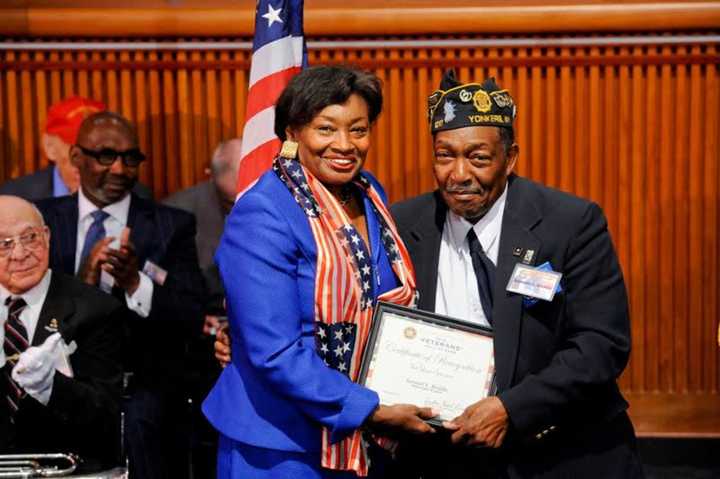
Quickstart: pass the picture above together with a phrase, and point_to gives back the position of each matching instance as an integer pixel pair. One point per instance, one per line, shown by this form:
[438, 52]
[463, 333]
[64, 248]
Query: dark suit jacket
[165, 236]
[39, 185]
[556, 362]
[83, 413]
[202, 200]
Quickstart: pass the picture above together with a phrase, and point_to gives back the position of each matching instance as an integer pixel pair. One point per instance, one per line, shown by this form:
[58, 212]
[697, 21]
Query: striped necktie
[16, 341]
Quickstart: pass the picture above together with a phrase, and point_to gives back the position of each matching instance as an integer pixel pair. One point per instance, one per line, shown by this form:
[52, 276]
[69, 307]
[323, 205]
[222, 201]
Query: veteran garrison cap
[456, 105]
[65, 117]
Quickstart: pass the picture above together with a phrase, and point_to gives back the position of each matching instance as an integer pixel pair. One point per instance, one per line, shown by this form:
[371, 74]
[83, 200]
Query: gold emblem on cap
[502, 98]
[482, 102]
[465, 96]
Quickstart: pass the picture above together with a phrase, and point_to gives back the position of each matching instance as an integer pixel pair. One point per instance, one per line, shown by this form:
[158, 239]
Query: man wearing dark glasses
[143, 253]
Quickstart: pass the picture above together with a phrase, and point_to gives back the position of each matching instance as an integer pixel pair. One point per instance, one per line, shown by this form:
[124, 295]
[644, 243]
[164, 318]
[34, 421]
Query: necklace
[345, 196]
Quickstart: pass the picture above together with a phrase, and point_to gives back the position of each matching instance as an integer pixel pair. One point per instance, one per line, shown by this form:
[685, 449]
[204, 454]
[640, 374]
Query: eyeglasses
[108, 156]
[31, 240]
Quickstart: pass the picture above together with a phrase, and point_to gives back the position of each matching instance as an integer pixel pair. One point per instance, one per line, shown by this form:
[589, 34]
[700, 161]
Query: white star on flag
[273, 16]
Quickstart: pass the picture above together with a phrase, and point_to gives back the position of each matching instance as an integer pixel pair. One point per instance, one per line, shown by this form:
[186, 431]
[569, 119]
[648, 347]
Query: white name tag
[530, 281]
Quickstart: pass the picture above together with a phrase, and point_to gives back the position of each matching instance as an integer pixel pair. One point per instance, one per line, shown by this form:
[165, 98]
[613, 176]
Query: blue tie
[95, 233]
[484, 274]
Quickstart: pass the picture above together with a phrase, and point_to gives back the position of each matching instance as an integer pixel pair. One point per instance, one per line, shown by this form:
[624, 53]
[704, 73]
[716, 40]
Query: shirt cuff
[141, 300]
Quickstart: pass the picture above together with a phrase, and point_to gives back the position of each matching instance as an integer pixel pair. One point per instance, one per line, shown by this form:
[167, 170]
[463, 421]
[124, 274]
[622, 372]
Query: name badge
[534, 282]
[155, 272]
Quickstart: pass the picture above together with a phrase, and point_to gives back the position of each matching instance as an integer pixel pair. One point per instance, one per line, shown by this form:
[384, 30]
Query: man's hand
[484, 423]
[222, 345]
[403, 417]
[90, 268]
[122, 264]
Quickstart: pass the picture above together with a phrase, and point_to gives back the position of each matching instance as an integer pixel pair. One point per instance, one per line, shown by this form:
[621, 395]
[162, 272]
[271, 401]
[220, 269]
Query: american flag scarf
[344, 288]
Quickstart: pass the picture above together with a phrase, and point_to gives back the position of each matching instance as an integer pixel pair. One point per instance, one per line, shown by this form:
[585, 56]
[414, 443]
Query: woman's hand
[404, 417]
[222, 345]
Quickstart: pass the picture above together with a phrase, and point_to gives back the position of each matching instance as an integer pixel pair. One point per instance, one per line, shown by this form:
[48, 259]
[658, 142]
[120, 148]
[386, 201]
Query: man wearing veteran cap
[558, 411]
[61, 177]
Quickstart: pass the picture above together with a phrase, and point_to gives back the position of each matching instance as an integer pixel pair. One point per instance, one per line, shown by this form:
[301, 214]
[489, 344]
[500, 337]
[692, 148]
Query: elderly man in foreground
[60, 368]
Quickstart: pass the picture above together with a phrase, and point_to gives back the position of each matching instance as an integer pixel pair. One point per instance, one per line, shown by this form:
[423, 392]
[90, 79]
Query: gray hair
[226, 155]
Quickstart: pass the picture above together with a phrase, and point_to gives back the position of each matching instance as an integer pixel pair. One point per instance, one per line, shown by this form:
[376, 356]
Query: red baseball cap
[64, 117]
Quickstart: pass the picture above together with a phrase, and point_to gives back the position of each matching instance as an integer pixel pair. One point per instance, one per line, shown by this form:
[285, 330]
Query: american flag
[279, 52]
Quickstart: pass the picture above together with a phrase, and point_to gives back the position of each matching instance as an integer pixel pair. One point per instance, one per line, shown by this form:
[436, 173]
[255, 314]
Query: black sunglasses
[108, 156]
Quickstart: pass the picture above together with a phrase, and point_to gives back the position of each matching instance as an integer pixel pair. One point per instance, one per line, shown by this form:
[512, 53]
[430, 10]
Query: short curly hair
[315, 88]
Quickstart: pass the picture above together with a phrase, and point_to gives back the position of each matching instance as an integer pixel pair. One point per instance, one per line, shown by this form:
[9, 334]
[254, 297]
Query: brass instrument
[20, 466]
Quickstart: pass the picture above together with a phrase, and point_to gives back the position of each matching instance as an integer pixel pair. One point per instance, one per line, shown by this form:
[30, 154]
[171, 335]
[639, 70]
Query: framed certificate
[429, 360]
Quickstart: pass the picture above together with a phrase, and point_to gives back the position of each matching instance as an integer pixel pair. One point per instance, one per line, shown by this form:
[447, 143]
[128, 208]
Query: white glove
[35, 369]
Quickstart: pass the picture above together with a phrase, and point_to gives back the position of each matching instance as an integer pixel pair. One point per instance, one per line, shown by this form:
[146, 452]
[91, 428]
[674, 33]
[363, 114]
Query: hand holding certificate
[420, 358]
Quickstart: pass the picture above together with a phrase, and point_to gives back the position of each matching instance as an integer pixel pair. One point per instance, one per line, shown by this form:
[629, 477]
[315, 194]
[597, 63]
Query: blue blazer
[278, 392]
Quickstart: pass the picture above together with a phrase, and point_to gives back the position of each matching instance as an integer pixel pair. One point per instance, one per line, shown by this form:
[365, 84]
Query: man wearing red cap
[61, 177]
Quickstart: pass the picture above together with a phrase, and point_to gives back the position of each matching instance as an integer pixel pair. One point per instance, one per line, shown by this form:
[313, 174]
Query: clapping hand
[122, 264]
[90, 268]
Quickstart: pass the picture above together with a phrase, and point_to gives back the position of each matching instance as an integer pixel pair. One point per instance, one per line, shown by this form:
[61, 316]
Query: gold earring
[289, 149]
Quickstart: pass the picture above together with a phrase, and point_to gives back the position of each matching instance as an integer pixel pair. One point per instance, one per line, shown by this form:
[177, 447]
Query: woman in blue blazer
[305, 255]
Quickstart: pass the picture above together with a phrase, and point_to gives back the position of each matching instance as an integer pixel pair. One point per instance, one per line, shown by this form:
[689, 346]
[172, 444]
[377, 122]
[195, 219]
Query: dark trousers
[597, 451]
[157, 435]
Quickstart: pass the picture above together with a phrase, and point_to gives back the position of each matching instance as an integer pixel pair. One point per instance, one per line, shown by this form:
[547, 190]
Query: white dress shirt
[35, 298]
[141, 301]
[29, 316]
[457, 292]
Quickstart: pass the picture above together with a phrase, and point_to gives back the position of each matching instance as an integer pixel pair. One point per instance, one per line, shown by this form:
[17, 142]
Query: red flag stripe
[256, 163]
[265, 92]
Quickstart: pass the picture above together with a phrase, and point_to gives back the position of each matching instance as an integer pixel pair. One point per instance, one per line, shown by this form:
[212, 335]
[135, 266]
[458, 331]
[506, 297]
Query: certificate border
[383, 307]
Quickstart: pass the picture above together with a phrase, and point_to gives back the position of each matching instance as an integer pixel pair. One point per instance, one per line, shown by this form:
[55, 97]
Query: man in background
[60, 366]
[144, 253]
[61, 177]
[210, 202]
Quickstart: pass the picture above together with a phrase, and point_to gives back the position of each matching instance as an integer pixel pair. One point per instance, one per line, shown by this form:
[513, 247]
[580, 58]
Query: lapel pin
[529, 254]
[517, 251]
[53, 326]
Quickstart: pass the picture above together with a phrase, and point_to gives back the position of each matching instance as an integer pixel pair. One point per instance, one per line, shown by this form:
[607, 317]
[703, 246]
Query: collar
[487, 228]
[59, 186]
[35, 296]
[118, 210]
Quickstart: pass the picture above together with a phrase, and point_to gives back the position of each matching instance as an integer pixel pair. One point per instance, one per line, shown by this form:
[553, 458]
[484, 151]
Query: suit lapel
[521, 215]
[54, 314]
[64, 234]
[142, 228]
[426, 236]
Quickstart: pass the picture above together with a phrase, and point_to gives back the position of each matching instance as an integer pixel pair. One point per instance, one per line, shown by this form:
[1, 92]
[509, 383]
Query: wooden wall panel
[634, 127]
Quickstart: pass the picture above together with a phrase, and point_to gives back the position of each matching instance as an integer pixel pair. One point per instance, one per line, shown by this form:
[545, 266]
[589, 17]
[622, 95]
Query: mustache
[118, 179]
[463, 190]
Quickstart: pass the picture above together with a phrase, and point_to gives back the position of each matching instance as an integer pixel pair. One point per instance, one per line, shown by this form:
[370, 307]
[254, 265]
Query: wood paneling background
[634, 127]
